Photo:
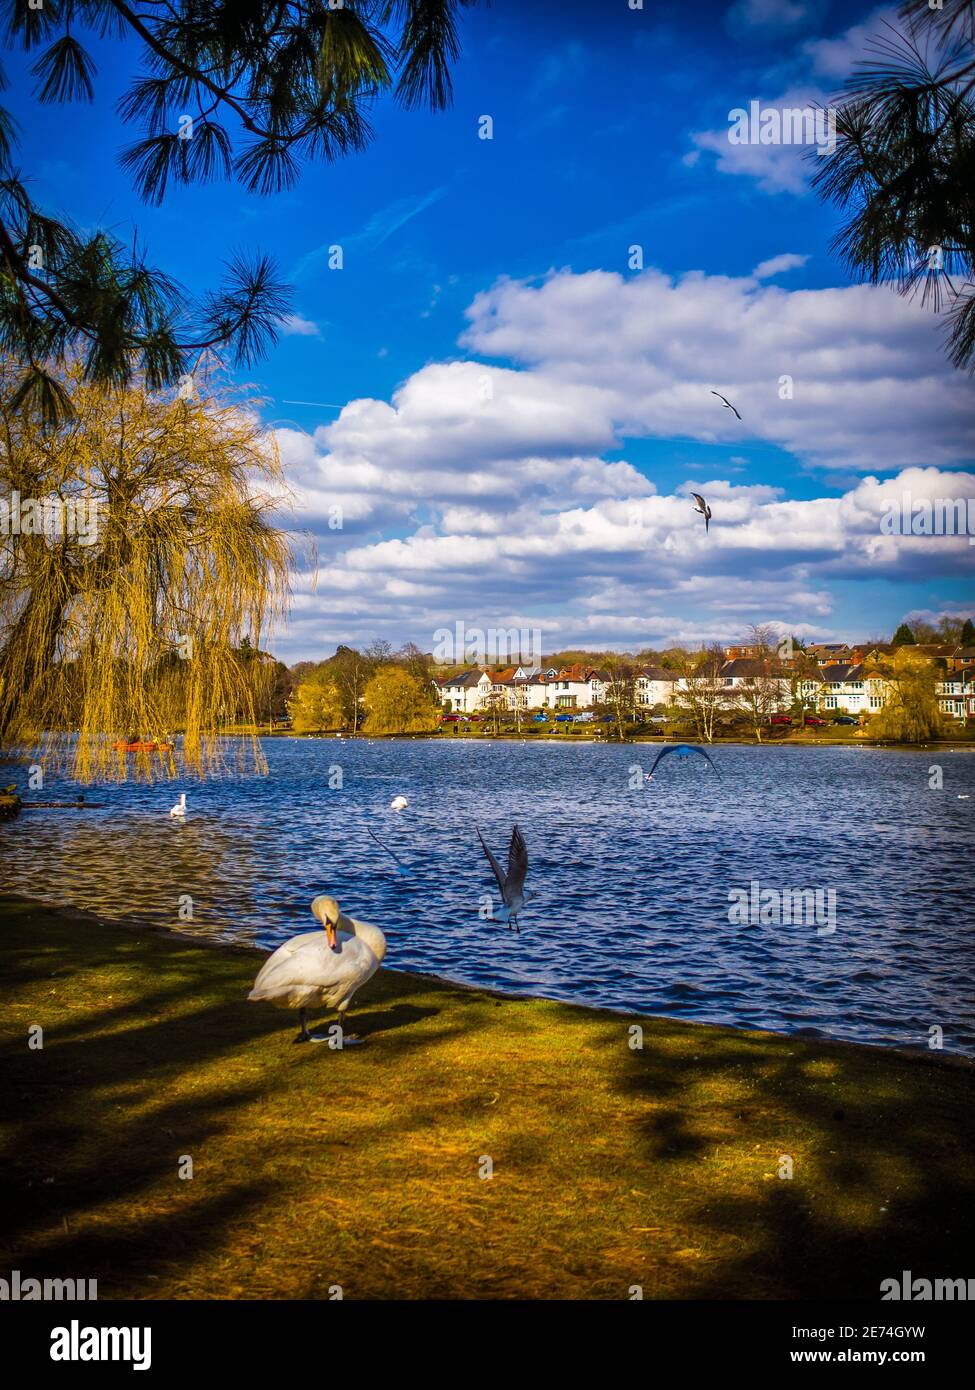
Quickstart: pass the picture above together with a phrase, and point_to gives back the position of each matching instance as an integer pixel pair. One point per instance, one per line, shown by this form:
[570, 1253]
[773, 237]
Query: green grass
[612, 1167]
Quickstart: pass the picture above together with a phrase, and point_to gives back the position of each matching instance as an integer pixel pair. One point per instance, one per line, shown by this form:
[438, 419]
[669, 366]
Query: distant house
[466, 691]
[737, 676]
[852, 689]
[654, 686]
[956, 693]
[829, 653]
[577, 687]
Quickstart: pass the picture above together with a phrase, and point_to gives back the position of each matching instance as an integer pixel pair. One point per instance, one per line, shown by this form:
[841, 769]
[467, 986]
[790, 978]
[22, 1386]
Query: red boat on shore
[142, 746]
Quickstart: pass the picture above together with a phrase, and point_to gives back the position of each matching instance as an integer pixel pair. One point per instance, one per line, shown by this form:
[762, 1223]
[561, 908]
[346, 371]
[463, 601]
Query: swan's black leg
[347, 1037]
[304, 1035]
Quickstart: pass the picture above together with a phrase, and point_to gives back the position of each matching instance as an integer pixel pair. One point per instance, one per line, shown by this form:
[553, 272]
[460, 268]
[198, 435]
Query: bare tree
[760, 694]
[700, 692]
[620, 691]
[495, 703]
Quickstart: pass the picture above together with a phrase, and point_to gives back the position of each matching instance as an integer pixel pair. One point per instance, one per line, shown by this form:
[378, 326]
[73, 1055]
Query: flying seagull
[512, 884]
[703, 508]
[728, 405]
[395, 857]
[683, 750]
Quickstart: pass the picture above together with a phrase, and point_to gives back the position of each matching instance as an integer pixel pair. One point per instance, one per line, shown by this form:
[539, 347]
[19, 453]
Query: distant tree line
[374, 691]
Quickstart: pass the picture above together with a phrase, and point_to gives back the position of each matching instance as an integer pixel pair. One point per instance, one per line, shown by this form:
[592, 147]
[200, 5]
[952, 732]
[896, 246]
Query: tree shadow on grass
[880, 1145]
[96, 1123]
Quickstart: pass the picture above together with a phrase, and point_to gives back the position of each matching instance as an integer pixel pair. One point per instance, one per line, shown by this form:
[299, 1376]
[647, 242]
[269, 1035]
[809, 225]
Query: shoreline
[84, 916]
[965, 743]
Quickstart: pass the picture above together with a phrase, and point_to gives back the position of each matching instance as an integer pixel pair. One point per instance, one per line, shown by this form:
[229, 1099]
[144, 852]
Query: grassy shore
[584, 733]
[314, 1168]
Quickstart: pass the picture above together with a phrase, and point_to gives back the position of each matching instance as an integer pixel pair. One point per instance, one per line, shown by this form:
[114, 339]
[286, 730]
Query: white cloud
[776, 265]
[767, 14]
[293, 325]
[871, 387]
[777, 168]
[834, 59]
[481, 492]
[785, 168]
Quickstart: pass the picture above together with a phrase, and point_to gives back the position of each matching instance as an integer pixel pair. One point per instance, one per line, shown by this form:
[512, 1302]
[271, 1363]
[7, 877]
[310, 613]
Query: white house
[654, 686]
[956, 693]
[738, 675]
[466, 691]
[853, 689]
[577, 687]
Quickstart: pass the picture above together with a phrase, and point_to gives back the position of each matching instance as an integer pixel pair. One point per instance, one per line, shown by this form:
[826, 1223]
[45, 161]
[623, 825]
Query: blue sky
[562, 503]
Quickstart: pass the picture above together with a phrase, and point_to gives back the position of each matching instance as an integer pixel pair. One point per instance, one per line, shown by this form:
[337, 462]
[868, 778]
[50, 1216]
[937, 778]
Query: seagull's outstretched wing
[726, 401]
[392, 855]
[668, 748]
[517, 863]
[702, 506]
[493, 862]
[680, 748]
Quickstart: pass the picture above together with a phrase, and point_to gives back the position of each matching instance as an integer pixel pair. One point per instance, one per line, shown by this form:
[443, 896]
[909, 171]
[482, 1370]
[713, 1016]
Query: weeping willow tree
[138, 557]
[910, 712]
[397, 702]
[317, 704]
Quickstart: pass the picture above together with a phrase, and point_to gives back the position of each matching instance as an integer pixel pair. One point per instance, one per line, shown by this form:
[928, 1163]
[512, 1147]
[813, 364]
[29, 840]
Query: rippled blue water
[633, 885]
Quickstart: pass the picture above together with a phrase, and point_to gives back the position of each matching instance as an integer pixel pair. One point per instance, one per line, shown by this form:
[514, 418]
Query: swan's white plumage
[306, 971]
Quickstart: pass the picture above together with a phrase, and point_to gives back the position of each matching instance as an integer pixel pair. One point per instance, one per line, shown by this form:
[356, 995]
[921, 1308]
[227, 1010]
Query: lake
[634, 884]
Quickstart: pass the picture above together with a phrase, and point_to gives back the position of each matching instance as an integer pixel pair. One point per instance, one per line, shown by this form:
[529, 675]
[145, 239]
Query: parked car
[540, 718]
[450, 719]
[585, 718]
[781, 719]
[845, 719]
[563, 718]
[815, 721]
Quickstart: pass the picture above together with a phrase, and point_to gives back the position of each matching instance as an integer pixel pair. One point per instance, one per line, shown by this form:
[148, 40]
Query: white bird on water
[323, 968]
[178, 812]
[398, 803]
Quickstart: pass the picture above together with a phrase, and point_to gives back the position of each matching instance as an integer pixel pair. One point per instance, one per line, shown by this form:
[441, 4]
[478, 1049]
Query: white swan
[322, 968]
[178, 812]
[398, 803]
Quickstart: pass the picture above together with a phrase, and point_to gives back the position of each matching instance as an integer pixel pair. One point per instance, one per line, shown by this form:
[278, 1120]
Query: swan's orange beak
[330, 934]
